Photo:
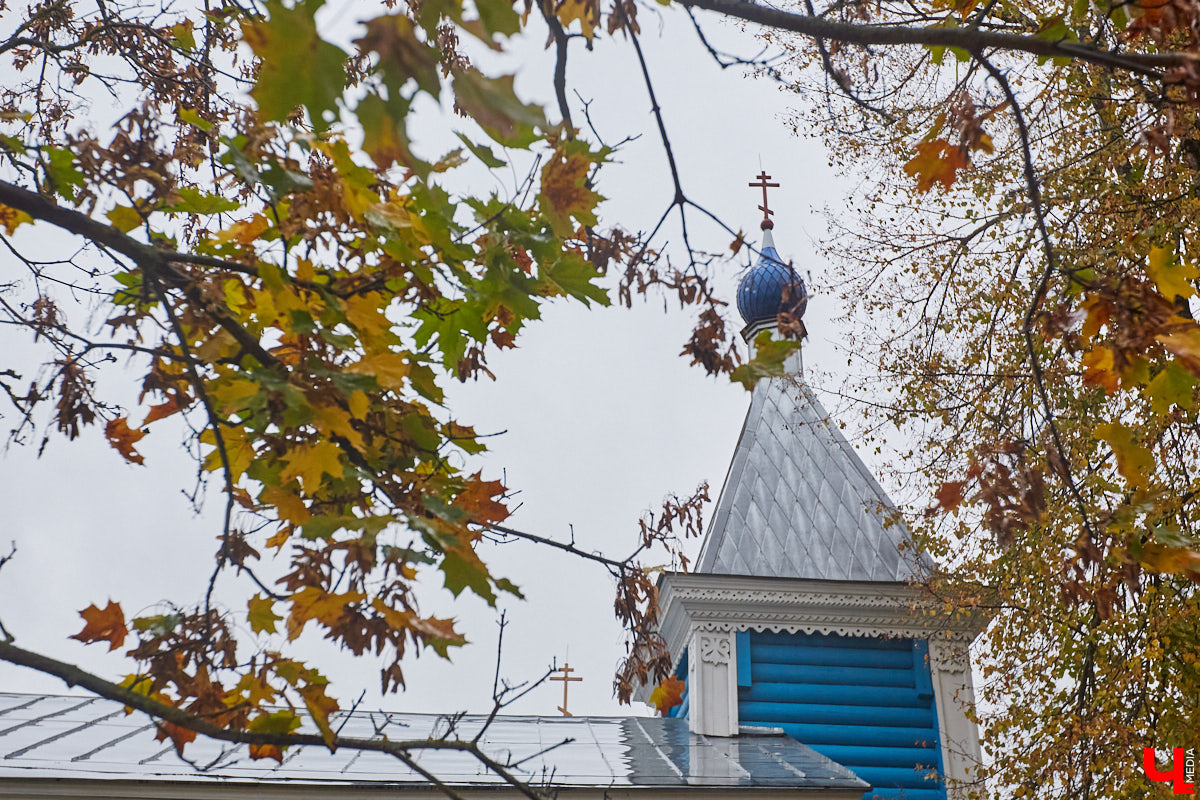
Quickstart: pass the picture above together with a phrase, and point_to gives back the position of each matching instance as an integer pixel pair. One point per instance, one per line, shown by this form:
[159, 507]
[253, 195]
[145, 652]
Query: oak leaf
[179, 736]
[103, 625]
[123, 438]
[668, 694]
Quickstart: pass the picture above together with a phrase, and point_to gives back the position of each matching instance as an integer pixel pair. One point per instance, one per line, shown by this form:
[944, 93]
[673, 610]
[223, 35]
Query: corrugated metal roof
[798, 502]
[57, 737]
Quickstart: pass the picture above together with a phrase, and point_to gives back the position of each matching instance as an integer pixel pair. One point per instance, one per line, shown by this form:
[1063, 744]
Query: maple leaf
[103, 625]
[309, 462]
[586, 11]
[936, 161]
[312, 602]
[1134, 462]
[298, 67]
[1173, 279]
[1098, 369]
[162, 410]
[949, 495]
[1185, 344]
[261, 615]
[476, 500]
[320, 706]
[11, 218]
[492, 103]
[179, 736]
[122, 438]
[668, 694]
[565, 193]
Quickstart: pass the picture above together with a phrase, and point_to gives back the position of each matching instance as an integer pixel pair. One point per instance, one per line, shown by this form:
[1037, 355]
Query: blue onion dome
[762, 290]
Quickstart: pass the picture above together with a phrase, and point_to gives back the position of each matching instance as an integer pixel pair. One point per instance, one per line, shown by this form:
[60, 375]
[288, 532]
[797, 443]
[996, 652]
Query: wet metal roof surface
[798, 502]
[90, 738]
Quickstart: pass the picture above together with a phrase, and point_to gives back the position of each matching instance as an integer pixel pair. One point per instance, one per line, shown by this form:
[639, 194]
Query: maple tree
[298, 286]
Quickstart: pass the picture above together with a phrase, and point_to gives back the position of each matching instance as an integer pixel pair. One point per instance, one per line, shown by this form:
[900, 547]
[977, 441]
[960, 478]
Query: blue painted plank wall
[866, 703]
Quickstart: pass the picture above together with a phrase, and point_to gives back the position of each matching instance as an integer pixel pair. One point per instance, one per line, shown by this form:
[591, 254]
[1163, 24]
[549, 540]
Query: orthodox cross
[566, 671]
[763, 179]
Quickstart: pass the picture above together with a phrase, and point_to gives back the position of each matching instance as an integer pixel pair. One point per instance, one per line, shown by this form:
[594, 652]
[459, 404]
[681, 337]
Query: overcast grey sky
[601, 416]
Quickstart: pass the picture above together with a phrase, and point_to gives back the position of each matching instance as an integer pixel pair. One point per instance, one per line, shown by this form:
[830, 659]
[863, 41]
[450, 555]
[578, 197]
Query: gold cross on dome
[763, 184]
[566, 671]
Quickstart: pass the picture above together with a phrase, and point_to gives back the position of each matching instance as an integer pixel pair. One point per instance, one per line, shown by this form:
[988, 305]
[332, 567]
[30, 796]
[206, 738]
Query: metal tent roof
[798, 502]
[85, 738]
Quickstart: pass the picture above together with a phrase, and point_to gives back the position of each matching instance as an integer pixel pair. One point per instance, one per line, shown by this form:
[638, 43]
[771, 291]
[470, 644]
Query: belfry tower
[805, 611]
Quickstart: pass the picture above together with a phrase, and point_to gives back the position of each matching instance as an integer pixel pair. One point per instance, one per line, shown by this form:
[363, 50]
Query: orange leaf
[179, 736]
[668, 694]
[936, 162]
[107, 624]
[162, 410]
[266, 751]
[122, 437]
[1098, 369]
[476, 500]
[950, 495]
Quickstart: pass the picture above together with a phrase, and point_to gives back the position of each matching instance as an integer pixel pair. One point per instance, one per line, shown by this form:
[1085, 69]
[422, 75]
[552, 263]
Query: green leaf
[1173, 386]
[482, 152]
[768, 361]
[492, 103]
[194, 201]
[191, 117]
[61, 172]
[498, 16]
[124, 218]
[573, 276]
[299, 68]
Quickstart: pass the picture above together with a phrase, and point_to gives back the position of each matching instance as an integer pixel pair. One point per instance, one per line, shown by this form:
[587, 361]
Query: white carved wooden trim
[712, 684]
[954, 691]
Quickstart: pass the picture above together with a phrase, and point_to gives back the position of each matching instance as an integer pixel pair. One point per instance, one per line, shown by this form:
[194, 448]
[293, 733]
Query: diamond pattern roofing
[798, 502]
[63, 738]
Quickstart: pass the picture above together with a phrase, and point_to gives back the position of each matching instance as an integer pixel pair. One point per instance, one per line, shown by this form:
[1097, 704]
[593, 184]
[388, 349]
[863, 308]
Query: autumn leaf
[565, 194]
[586, 11]
[123, 438]
[262, 616]
[1185, 344]
[1134, 462]
[162, 410]
[477, 500]
[11, 219]
[308, 462]
[1173, 279]
[312, 602]
[668, 694]
[320, 706]
[103, 625]
[179, 736]
[258, 751]
[1098, 369]
[949, 495]
[1173, 385]
[937, 161]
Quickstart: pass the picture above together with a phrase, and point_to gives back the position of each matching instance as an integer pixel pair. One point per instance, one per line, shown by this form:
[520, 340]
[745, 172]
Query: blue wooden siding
[866, 703]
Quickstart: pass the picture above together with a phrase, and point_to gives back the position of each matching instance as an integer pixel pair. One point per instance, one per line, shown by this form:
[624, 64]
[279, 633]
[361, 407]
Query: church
[814, 665]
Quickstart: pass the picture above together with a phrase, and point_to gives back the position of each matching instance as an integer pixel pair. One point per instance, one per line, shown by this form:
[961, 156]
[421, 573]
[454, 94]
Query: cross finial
[566, 671]
[762, 183]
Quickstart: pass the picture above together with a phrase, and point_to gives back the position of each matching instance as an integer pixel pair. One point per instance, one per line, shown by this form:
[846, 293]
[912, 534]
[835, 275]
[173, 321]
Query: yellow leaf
[586, 12]
[123, 218]
[233, 394]
[389, 369]
[314, 603]
[237, 448]
[668, 694]
[290, 507]
[1134, 462]
[246, 231]
[1098, 368]
[1185, 344]
[261, 614]
[373, 326]
[308, 462]
[1173, 280]
[335, 421]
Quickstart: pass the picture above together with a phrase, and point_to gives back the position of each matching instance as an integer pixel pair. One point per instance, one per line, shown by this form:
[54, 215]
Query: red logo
[1183, 770]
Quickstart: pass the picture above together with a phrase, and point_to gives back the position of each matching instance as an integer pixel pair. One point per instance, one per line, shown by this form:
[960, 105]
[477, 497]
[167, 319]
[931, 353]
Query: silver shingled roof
[64, 738]
[798, 502]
